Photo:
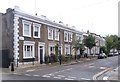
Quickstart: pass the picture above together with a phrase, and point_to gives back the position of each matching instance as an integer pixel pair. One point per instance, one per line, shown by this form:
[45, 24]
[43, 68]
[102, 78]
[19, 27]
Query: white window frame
[64, 36]
[57, 38]
[70, 37]
[50, 50]
[29, 23]
[68, 46]
[29, 43]
[39, 26]
[50, 28]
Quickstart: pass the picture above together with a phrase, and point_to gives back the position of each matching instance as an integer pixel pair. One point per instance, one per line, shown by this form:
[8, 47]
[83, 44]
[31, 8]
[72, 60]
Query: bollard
[12, 66]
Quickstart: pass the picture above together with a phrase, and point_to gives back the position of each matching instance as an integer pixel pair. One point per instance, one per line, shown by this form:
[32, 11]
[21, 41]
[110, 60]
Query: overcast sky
[98, 16]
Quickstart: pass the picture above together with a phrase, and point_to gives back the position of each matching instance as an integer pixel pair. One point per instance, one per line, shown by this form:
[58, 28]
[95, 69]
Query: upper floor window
[56, 34]
[70, 37]
[77, 37]
[36, 30]
[65, 36]
[50, 33]
[26, 28]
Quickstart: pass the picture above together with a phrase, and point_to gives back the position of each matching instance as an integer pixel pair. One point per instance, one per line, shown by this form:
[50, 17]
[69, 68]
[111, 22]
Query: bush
[47, 59]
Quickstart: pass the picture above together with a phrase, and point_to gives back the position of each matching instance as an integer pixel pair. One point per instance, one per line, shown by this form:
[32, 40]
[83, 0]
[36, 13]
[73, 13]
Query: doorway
[41, 54]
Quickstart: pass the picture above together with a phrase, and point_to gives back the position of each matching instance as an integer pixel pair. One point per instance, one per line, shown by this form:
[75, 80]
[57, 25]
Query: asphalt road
[84, 71]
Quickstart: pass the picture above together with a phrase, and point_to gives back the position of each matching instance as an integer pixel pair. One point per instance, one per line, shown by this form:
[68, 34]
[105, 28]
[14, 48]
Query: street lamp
[60, 57]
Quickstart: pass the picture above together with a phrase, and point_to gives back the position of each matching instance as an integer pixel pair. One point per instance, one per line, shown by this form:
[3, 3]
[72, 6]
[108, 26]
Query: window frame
[57, 30]
[49, 29]
[28, 23]
[28, 43]
[66, 35]
[39, 26]
[67, 46]
[70, 37]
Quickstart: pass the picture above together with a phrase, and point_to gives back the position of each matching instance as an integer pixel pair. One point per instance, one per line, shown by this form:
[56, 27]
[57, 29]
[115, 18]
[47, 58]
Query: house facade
[29, 37]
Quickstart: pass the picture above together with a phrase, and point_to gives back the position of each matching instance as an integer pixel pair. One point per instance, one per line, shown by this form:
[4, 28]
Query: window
[26, 28]
[56, 34]
[28, 49]
[67, 49]
[51, 50]
[36, 30]
[70, 37]
[50, 33]
[77, 37]
[65, 36]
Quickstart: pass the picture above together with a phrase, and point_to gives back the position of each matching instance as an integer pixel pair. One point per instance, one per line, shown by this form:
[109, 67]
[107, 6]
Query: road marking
[105, 78]
[71, 77]
[30, 70]
[36, 75]
[84, 79]
[45, 76]
[61, 71]
[102, 67]
[61, 75]
[57, 77]
[100, 73]
[91, 66]
[68, 79]
[69, 69]
[27, 74]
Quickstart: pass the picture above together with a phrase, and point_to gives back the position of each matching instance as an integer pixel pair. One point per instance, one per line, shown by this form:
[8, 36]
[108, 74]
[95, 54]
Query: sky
[97, 16]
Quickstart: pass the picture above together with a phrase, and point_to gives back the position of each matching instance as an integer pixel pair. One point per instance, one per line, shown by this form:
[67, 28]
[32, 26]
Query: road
[83, 71]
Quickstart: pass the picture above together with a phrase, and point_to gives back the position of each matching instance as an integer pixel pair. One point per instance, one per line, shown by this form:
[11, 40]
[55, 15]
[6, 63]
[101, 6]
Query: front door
[41, 54]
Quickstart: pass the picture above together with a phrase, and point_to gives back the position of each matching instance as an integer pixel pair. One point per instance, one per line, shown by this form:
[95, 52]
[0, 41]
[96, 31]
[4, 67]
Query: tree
[82, 48]
[89, 42]
[56, 52]
[118, 44]
[109, 43]
[115, 40]
[103, 49]
[76, 46]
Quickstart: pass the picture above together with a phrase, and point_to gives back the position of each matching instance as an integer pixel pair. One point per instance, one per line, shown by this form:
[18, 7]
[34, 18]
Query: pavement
[114, 74]
[22, 68]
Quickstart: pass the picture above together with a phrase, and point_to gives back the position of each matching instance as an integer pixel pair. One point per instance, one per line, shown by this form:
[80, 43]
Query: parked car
[102, 55]
[110, 54]
[113, 54]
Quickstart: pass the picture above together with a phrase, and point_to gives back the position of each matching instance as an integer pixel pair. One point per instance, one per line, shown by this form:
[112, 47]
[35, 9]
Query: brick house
[29, 37]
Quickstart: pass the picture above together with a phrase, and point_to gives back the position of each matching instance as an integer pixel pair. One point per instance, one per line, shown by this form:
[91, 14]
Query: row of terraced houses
[27, 36]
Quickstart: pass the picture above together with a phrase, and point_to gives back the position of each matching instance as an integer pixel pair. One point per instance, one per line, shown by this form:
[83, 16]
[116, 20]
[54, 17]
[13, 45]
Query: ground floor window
[28, 50]
[51, 50]
[67, 49]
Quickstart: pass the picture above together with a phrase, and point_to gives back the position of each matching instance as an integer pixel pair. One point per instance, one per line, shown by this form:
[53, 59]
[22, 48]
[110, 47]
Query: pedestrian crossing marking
[68, 79]
[36, 75]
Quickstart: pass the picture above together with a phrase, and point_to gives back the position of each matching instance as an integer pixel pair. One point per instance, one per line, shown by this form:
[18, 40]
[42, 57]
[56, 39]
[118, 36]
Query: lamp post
[60, 57]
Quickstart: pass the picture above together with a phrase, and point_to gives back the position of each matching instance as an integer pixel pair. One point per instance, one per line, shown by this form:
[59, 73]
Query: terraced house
[27, 37]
